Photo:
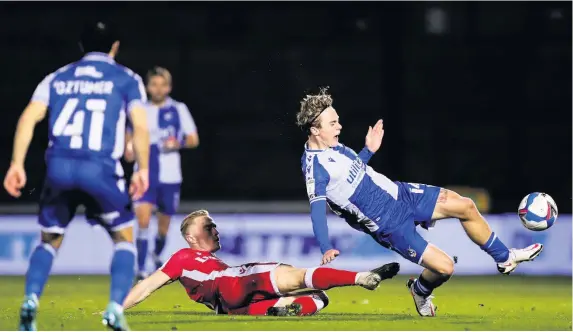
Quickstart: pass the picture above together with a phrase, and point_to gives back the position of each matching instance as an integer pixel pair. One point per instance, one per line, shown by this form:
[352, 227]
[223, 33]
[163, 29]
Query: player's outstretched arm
[34, 113]
[15, 178]
[320, 228]
[145, 287]
[140, 178]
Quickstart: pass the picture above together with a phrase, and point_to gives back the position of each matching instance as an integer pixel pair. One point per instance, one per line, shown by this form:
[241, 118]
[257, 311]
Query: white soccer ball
[537, 211]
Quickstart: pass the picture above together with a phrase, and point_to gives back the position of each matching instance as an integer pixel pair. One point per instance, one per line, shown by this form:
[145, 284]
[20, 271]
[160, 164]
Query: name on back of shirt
[84, 87]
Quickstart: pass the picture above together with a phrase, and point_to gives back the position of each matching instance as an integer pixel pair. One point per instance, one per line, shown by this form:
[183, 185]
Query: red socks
[308, 304]
[260, 308]
[324, 278]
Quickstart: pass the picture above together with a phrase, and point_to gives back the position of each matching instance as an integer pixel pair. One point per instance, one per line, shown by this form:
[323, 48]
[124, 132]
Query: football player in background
[388, 211]
[88, 103]
[171, 128]
[249, 289]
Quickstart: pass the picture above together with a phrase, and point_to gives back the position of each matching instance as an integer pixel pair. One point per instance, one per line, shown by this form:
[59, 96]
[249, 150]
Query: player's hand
[15, 180]
[374, 136]
[171, 143]
[329, 256]
[139, 184]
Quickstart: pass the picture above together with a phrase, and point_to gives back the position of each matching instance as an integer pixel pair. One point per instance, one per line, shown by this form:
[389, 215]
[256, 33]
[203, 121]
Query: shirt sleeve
[174, 267]
[365, 155]
[317, 179]
[320, 224]
[187, 123]
[135, 92]
[42, 92]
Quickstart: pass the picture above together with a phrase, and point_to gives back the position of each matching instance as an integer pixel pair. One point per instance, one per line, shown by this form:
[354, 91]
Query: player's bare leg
[36, 277]
[162, 229]
[439, 268]
[121, 278]
[143, 212]
[451, 205]
[289, 279]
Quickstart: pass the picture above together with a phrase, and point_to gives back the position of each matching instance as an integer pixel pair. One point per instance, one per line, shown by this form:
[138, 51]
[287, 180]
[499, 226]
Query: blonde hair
[159, 71]
[190, 218]
[311, 107]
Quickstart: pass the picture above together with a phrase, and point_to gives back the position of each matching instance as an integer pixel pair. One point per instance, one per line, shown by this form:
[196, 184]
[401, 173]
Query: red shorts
[240, 286]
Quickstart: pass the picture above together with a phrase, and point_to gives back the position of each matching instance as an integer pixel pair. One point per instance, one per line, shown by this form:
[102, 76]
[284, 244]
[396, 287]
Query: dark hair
[98, 37]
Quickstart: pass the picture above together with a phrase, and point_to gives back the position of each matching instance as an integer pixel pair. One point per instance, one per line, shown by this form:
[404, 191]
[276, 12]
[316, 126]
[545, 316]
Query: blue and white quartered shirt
[172, 119]
[341, 177]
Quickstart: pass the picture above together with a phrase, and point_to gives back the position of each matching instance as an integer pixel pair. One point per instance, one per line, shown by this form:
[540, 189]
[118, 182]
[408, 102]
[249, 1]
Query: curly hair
[311, 106]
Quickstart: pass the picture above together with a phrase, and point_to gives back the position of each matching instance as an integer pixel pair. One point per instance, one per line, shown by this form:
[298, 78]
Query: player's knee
[123, 235]
[163, 224]
[297, 280]
[288, 278]
[468, 207]
[446, 269]
[143, 213]
[143, 222]
[52, 239]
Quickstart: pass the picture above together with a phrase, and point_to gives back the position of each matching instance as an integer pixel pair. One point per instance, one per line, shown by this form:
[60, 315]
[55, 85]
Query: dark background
[483, 102]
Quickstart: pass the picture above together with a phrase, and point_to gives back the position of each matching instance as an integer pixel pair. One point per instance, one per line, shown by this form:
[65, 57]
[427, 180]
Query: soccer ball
[537, 211]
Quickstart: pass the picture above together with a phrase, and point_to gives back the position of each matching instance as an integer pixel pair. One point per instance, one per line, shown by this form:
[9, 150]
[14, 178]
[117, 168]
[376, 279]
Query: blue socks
[159, 244]
[422, 287]
[142, 246]
[496, 249]
[39, 269]
[122, 271]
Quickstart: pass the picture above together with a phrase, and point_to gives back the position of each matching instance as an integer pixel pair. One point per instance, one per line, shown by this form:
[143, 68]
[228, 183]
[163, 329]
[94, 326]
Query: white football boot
[370, 280]
[424, 305]
[517, 256]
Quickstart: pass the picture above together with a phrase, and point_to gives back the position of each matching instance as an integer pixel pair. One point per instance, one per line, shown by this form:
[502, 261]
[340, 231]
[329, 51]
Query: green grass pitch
[465, 303]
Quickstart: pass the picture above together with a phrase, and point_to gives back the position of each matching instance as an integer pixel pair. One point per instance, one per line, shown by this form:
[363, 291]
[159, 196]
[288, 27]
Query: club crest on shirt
[411, 252]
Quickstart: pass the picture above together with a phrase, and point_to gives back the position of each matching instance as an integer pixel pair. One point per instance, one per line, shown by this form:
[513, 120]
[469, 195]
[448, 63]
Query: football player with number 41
[88, 102]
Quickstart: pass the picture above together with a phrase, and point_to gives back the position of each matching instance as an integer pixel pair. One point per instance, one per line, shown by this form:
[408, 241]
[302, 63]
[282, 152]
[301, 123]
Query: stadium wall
[288, 238]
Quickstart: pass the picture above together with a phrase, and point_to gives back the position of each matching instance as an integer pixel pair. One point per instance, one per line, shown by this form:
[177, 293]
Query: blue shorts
[95, 184]
[416, 205]
[164, 196]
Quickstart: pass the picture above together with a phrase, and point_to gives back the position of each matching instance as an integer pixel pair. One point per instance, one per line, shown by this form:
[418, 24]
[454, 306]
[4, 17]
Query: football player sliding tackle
[252, 288]
[386, 210]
